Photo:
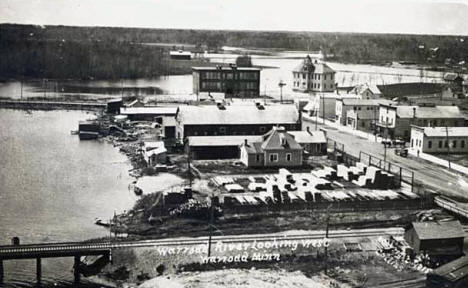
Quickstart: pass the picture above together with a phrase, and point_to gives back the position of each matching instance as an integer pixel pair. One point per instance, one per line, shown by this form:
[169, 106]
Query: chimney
[245, 142]
[414, 112]
[308, 130]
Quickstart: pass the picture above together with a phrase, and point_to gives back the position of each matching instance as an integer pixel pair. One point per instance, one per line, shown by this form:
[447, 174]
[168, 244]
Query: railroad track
[77, 246]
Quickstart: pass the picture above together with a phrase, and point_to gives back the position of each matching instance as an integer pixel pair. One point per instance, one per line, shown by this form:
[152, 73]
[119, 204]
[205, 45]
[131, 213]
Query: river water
[277, 68]
[53, 186]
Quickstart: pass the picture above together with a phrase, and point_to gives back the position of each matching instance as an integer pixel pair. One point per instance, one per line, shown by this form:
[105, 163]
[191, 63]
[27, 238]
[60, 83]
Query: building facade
[439, 139]
[313, 76]
[231, 80]
[218, 120]
[364, 112]
[278, 148]
[395, 121]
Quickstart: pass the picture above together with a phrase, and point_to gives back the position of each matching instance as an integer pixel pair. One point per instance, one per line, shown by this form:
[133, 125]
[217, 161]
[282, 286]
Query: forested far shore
[64, 52]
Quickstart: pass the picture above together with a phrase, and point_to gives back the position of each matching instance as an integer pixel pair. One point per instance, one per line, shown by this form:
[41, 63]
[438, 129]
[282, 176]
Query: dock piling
[38, 271]
[76, 270]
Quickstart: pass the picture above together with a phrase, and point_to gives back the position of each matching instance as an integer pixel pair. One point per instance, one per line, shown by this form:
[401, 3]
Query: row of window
[441, 143]
[387, 120]
[314, 76]
[274, 157]
[313, 85]
[367, 108]
[219, 75]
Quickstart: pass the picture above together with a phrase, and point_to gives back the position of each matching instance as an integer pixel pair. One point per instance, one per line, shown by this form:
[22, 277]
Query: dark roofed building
[401, 90]
[451, 275]
[218, 120]
[217, 147]
[437, 239]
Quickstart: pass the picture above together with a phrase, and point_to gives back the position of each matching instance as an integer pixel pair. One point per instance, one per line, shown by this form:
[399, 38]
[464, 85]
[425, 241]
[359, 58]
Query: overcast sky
[384, 16]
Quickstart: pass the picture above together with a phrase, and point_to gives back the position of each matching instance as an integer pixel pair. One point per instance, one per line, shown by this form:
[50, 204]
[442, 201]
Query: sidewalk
[369, 136]
[439, 161]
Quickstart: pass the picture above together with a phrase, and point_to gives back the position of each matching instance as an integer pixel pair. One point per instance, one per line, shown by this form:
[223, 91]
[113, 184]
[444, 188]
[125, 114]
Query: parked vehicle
[403, 152]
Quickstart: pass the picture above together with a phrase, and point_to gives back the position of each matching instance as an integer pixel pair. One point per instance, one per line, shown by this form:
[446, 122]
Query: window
[274, 157]
[324, 76]
[412, 142]
[445, 143]
[429, 144]
[462, 144]
[318, 77]
[454, 143]
[262, 129]
[288, 157]
[258, 158]
[222, 129]
[318, 86]
[440, 144]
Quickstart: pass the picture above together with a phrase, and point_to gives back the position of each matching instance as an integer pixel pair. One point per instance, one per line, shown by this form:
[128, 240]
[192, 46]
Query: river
[277, 68]
[53, 186]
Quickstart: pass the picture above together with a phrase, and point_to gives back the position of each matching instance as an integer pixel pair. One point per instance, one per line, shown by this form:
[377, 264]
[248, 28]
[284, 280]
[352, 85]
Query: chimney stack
[414, 112]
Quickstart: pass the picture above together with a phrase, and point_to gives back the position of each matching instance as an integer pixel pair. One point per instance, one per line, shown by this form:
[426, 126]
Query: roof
[238, 114]
[442, 131]
[438, 230]
[450, 76]
[221, 140]
[429, 112]
[364, 102]
[359, 89]
[153, 148]
[308, 137]
[156, 110]
[279, 139]
[453, 271]
[253, 148]
[408, 89]
[313, 67]
[225, 68]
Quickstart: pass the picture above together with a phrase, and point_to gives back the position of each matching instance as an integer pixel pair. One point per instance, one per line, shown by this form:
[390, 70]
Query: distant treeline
[104, 52]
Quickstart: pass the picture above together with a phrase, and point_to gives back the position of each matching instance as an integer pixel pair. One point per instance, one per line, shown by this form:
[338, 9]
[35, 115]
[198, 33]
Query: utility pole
[323, 109]
[448, 147]
[326, 236]
[211, 225]
[317, 108]
[281, 84]
[189, 168]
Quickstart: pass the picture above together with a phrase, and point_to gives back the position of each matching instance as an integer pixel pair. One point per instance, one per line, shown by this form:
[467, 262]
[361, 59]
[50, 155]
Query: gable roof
[278, 139]
[238, 114]
[438, 230]
[360, 89]
[429, 112]
[303, 137]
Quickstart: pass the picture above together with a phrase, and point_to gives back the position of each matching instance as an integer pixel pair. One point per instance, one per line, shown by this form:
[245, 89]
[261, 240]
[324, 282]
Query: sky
[444, 17]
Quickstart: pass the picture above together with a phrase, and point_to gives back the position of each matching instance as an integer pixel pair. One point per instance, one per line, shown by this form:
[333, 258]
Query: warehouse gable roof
[429, 112]
[237, 115]
[438, 230]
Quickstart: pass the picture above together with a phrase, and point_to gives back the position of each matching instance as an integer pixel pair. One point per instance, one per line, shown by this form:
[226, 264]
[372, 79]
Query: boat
[88, 135]
[102, 223]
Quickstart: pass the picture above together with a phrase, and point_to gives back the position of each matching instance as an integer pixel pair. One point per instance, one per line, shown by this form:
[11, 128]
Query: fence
[402, 174]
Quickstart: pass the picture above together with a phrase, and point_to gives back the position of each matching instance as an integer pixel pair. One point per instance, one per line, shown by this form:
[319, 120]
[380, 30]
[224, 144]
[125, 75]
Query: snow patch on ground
[237, 278]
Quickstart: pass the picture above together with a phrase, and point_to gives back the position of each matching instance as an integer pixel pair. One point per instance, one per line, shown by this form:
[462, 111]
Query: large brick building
[232, 80]
[220, 119]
